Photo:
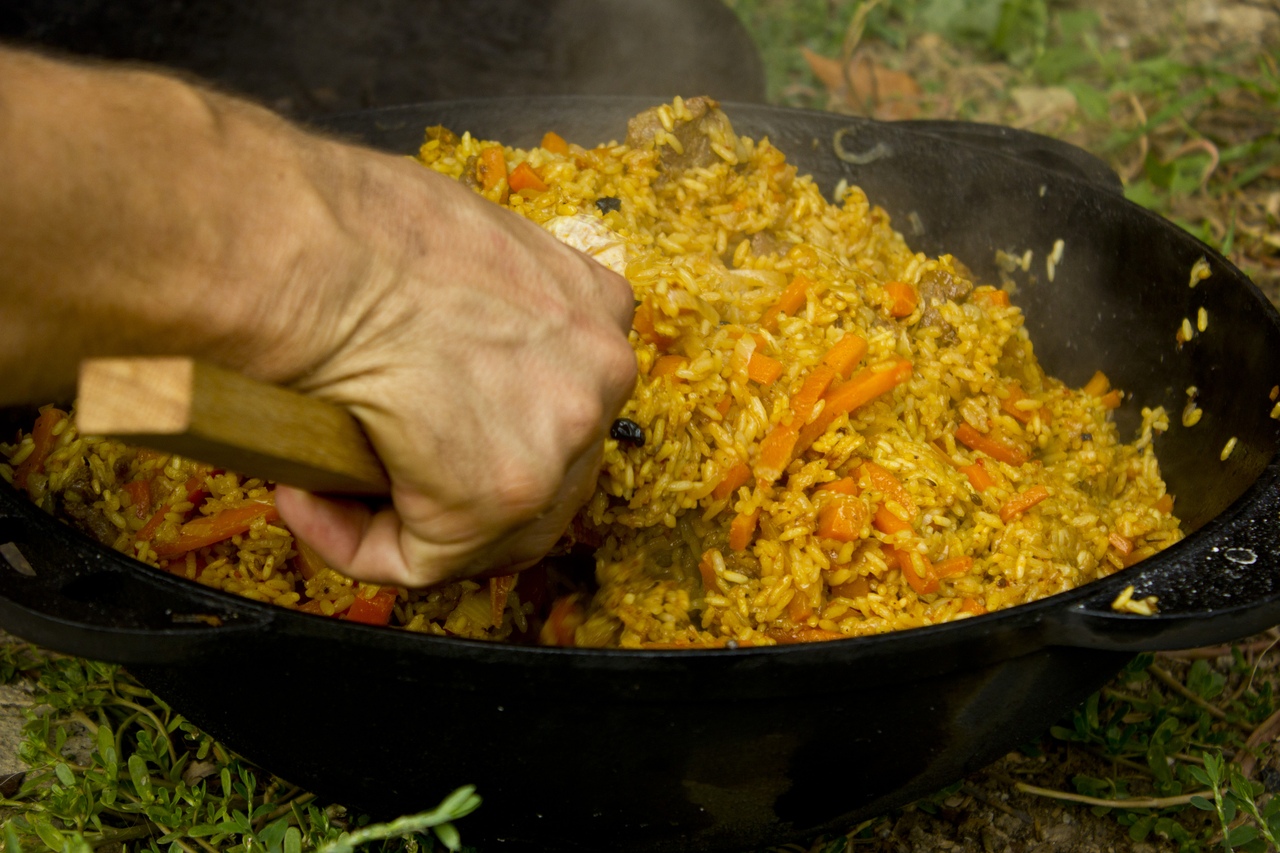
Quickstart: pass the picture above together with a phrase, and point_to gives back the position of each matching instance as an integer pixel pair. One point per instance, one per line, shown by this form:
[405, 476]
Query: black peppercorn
[627, 431]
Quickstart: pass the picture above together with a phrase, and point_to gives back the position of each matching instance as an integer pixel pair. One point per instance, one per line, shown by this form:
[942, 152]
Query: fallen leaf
[866, 87]
[198, 770]
[1042, 103]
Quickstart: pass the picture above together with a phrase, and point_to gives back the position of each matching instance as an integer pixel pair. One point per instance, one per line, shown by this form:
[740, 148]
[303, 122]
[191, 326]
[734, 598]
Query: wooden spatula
[183, 406]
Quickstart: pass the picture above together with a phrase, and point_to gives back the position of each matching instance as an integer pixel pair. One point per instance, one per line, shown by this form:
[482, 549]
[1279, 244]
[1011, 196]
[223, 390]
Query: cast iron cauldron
[720, 750]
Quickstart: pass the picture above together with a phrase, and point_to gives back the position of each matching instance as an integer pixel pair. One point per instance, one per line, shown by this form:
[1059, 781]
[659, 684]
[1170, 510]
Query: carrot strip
[788, 303]
[554, 143]
[763, 369]
[798, 608]
[1020, 503]
[1098, 385]
[866, 385]
[43, 438]
[815, 385]
[776, 451]
[642, 322]
[845, 354]
[525, 177]
[953, 567]
[971, 605]
[667, 365]
[499, 588]
[372, 611]
[978, 476]
[916, 569]
[842, 519]
[734, 478]
[991, 297]
[211, 529]
[843, 486]
[1123, 544]
[1164, 504]
[891, 487]
[1010, 406]
[724, 404]
[563, 620]
[992, 445]
[707, 568]
[491, 167]
[1112, 399]
[307, 562]
[139, 492]
[888, 523]
[742, 529]
[902, 298]
[855, 588]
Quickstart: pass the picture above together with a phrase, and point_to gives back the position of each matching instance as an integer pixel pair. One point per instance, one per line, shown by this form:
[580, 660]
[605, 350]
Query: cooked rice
[710, 245]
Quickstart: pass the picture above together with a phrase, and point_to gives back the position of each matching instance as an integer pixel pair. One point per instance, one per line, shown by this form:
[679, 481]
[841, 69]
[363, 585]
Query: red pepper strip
[210, 529]
[372, 611]
[43, 438]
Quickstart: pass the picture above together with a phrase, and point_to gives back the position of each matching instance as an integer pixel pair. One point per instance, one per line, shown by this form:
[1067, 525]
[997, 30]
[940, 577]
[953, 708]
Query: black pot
[717, 750]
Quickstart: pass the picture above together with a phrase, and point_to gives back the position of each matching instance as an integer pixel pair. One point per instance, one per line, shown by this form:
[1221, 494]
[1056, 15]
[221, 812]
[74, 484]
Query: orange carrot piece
[992, 445]
[971, 605]
[375, 610]
[642, 322]
[1123, 544]
[953, 567]
[855, 588]
[763, 369]
[499, 588]
[902, 298]
[916, 569]
[1098, 385]
[842, 519]
[815, 385]
[891, 487]
[307, 562]
[888, 522]
[742, 529]
[978, 476]
[1112, 399]
[723, 406]
[1020, 503]
[733, 479]
[525, 177]
[789, 302]
[707, 568]
[211, 529]
[1164, 504]
[845, 354]
[776, 450]
[563, 620]
[43, 438]
[554, 143]
[667, 365]
[1010, 406]
[843, 486]
[991, 297]
[139, 492]
[866, 385]
[798, 608]
[491, 167]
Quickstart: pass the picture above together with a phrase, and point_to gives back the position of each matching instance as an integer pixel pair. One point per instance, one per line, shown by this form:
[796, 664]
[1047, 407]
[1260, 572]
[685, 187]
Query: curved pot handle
[61, 591]
[1223, 585]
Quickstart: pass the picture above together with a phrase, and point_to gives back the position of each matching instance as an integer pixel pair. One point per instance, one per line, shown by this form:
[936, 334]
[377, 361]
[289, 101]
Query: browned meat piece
[77, 503]
[693, 136]
[936, 287]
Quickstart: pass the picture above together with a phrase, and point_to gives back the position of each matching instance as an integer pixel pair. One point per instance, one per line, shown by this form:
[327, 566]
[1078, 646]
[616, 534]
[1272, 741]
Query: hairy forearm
[144, 215]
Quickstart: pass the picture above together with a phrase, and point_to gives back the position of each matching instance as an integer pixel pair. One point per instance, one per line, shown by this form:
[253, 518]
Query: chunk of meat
[77, 503]
[938, 286]
[693, 137]
[589, 235]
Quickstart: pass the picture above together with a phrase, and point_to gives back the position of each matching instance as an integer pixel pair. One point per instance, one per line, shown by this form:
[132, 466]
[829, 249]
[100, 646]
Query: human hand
[486, 370]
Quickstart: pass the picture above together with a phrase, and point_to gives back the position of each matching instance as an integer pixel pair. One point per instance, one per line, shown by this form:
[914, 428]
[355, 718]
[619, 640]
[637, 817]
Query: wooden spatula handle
[202, 412]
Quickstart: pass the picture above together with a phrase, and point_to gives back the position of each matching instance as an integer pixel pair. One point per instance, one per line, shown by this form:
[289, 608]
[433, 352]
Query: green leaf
[11, 842]
[292, 840]
[448, 835]
[141, 778]
[64, 774]
[52, 838]
[1242, 834]
[1202, 804]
